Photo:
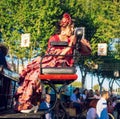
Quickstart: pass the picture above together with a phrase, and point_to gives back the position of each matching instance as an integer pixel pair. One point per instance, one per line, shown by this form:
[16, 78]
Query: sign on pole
[102, 49]
[25, 40]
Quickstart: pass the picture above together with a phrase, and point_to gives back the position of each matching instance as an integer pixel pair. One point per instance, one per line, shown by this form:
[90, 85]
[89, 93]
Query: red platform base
[58, 77]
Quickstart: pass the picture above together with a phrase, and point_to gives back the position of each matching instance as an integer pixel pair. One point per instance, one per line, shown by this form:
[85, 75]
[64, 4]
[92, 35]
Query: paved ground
[12, 114]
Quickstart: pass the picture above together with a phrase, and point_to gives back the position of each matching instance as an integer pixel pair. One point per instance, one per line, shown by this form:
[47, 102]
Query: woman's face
[86, 92]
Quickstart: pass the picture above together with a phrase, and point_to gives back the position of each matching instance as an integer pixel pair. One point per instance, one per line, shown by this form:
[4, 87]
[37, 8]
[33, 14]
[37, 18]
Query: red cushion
[58, 77]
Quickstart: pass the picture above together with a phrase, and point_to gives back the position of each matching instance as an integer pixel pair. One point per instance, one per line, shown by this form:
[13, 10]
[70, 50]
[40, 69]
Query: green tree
[28, 17]
[101, 20]
[77, 84]
[96, 87]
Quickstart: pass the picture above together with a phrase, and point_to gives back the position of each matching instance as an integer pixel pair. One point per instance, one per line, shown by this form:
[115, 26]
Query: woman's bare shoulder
[54, 37]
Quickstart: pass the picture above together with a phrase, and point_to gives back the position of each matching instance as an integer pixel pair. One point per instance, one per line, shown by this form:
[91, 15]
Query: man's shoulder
[43, 104]
[99, 101]
[72, 95]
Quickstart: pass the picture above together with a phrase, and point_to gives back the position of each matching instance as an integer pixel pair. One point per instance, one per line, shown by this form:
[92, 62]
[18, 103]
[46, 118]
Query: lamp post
[95, 67]
[116, 73]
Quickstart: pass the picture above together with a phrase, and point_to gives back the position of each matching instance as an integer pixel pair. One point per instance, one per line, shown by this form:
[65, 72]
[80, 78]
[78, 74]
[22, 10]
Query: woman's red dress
[30, 88]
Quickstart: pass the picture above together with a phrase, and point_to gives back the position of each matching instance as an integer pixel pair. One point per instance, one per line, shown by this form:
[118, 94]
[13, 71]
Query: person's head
[76, 90]
[47, 98]
[105, 94]
[66, 25]
[85, 91]
[93, 103]
[109, 102]
[91, 93]
[3, 49]
[97, 92]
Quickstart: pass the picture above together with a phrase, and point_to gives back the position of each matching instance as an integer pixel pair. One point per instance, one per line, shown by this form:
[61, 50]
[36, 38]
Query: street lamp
[116, 73]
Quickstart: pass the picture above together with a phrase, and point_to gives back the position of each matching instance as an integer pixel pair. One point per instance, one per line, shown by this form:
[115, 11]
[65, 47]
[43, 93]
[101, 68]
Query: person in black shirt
[3, 53]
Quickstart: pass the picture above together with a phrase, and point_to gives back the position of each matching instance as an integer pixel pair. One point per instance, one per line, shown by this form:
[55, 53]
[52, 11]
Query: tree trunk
[111, 84]
[83, 74]
[18, 65]
[100, 83]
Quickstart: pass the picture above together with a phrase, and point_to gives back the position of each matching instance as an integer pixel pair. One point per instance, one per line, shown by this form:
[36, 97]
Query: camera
[79, 32]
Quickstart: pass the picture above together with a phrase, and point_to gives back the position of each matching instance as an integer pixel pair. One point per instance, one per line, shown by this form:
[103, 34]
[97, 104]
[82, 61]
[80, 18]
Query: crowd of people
[98, 105]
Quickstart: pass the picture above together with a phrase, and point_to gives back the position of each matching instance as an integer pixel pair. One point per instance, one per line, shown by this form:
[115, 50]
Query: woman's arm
[85, 48]
[71, 43]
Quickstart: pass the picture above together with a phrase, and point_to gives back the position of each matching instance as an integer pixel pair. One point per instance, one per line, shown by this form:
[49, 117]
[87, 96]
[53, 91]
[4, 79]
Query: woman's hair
[76, 89]
[84, 91]
[64, 22]
[90, 93]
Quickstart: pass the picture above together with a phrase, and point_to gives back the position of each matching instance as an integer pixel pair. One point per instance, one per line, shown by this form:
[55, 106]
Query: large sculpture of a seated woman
[29, 91]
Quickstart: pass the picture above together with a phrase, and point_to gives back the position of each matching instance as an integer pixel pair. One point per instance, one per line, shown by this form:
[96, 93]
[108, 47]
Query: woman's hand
[85, 42]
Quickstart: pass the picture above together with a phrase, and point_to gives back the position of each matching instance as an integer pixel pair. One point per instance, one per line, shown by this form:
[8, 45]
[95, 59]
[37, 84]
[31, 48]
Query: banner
[25, 40]
[102, 49]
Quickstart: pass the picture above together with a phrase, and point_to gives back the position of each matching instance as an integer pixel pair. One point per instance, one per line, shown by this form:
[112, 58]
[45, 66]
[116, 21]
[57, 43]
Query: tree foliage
[101, 20]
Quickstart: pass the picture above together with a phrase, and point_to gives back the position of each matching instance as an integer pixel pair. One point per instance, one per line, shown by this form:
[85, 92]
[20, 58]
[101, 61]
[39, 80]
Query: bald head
[47, 98]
